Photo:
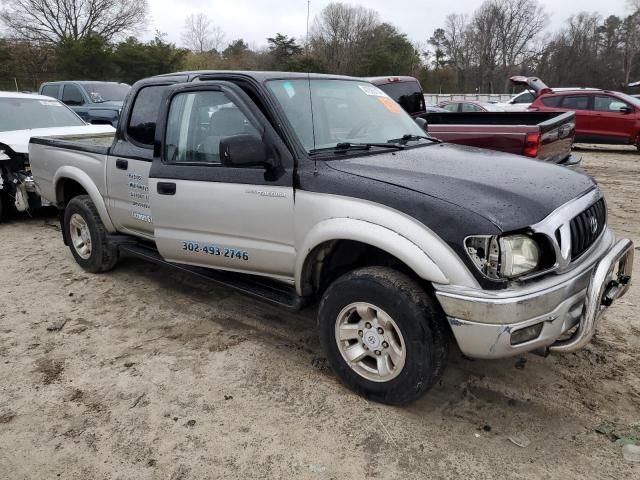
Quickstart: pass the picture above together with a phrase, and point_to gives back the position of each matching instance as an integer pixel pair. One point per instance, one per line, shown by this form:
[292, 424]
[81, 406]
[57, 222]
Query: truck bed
[91, 143]
[77, 153]
[547, 136]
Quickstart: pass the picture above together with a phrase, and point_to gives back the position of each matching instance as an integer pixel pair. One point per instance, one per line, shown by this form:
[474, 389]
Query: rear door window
[451, 107]
[144, 114]
[51, 91]
[553, 102]
[576, 102]
[71, 95]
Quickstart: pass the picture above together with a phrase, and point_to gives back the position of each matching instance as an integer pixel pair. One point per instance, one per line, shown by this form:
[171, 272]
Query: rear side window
[451, 107]
[144, 114]
[470, 107]
[576, 102]
[51, 91]
[553, 102]
[407, 94]
[71, 95]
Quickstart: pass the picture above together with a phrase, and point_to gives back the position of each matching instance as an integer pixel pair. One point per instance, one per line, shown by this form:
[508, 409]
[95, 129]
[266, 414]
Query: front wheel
[87, 236]
[383, 335]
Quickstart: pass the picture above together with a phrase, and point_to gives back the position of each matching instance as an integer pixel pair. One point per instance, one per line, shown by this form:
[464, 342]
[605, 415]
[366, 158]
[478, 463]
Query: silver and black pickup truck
[320, 190]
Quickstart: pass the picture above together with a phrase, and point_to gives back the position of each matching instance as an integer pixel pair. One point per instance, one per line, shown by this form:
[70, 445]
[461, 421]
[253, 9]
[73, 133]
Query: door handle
[166, 188]
[122, 164]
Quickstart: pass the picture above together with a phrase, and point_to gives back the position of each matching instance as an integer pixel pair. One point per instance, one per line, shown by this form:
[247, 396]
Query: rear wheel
[383, 335]
[87, 236]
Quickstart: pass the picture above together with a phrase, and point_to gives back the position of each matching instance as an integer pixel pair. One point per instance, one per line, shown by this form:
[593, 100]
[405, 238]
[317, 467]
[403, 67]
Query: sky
[255, 20]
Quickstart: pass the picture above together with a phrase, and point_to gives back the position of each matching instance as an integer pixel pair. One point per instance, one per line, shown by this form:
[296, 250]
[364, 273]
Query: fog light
[526, 334]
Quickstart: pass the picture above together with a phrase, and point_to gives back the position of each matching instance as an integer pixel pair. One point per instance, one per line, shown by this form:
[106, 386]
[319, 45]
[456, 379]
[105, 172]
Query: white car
[23, 116]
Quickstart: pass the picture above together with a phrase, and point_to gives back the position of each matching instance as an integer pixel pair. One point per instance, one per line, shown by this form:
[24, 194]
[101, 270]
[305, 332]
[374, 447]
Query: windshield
[632, 100]
[344, 111]
[28, 113]
[106, 92]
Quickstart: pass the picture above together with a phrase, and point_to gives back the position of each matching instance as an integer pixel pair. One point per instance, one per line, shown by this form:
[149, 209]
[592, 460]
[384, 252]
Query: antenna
[308, 12]
[313, 125]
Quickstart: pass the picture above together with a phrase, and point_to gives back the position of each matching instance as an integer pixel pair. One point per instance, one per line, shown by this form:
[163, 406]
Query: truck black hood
[510, 191]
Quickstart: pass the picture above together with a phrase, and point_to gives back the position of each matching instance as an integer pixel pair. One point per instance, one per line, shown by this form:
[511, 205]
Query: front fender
[85, 181]
[371, 234]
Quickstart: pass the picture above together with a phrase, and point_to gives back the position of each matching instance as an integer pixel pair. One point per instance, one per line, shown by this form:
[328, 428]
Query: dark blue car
[94, 102]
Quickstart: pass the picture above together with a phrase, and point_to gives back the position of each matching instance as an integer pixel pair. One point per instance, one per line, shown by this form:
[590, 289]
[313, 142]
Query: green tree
[135, 60]
[284, 51]
[87, 58]
[439, 43]
[385, 51]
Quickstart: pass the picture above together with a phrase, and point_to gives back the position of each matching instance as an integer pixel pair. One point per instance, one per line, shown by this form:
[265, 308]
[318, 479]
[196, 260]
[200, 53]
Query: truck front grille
[587, 227]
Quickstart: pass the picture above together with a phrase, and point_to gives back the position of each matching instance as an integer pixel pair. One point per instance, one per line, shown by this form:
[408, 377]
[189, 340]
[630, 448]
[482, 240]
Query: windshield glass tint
[106, 92]
[343, 111]
[27, 113]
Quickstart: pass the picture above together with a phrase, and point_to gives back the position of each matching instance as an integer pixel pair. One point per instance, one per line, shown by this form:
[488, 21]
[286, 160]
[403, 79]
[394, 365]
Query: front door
[208, 212]
[614, 125]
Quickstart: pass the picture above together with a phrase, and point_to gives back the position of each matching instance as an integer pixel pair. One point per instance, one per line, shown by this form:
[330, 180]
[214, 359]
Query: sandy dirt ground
[142, 373]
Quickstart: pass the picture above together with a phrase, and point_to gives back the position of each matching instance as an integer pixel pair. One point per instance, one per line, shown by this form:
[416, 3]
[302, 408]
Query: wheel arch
[70, 182]
[327, 236]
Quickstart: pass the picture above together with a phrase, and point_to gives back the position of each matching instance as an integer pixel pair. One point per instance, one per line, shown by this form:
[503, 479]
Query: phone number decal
[207, 249]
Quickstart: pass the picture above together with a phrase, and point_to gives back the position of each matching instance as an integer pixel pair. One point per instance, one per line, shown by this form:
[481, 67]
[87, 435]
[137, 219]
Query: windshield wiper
[410, 138]
[346, 146]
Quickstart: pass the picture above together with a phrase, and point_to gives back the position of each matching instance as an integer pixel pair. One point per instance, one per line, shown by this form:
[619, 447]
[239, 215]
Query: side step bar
[262, 288]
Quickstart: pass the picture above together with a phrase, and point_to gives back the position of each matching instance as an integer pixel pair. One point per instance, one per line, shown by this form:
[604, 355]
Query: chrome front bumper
[483, 321]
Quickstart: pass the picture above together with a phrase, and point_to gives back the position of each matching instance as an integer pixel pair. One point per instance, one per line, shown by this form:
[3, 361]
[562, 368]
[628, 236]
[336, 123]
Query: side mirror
[244, 151]
[626, 110]
[422, 123]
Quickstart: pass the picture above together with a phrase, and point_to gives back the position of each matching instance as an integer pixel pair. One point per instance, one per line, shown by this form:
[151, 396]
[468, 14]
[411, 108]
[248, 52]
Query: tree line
[96, 40]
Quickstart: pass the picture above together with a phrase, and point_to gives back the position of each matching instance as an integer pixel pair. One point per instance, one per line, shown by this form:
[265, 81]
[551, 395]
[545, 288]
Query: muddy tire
[87, 236]
[383, 335]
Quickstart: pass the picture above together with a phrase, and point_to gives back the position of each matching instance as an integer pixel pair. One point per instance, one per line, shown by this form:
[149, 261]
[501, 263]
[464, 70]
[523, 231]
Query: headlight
[503, 257]
[519, 254]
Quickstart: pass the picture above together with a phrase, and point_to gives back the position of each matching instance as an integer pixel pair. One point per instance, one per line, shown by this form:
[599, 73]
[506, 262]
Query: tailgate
[556, 137]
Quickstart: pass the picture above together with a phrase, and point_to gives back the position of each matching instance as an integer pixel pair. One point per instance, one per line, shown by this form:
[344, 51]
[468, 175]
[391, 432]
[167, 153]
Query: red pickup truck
[545, 136]
[602, 116]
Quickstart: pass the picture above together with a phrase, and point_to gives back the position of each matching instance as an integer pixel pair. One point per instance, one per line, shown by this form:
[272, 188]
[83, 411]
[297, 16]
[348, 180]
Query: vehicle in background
[546, 137]
[522, 101]
[465, 106]
[95, 102]
[634, 84]
[406, 91]
[21, 116]
[432, 109]
[320, 190]
[602, 116]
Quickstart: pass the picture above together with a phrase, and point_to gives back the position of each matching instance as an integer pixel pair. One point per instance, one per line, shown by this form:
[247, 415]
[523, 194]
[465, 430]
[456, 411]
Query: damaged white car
[21, 117]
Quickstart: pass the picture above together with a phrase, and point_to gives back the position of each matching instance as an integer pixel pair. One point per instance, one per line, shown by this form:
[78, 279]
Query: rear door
[612, 124]
[129, 162]
[585, 118]
[207, 212]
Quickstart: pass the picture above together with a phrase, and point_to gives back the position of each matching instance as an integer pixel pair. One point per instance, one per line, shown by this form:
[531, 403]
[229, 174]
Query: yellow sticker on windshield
[390, 105]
